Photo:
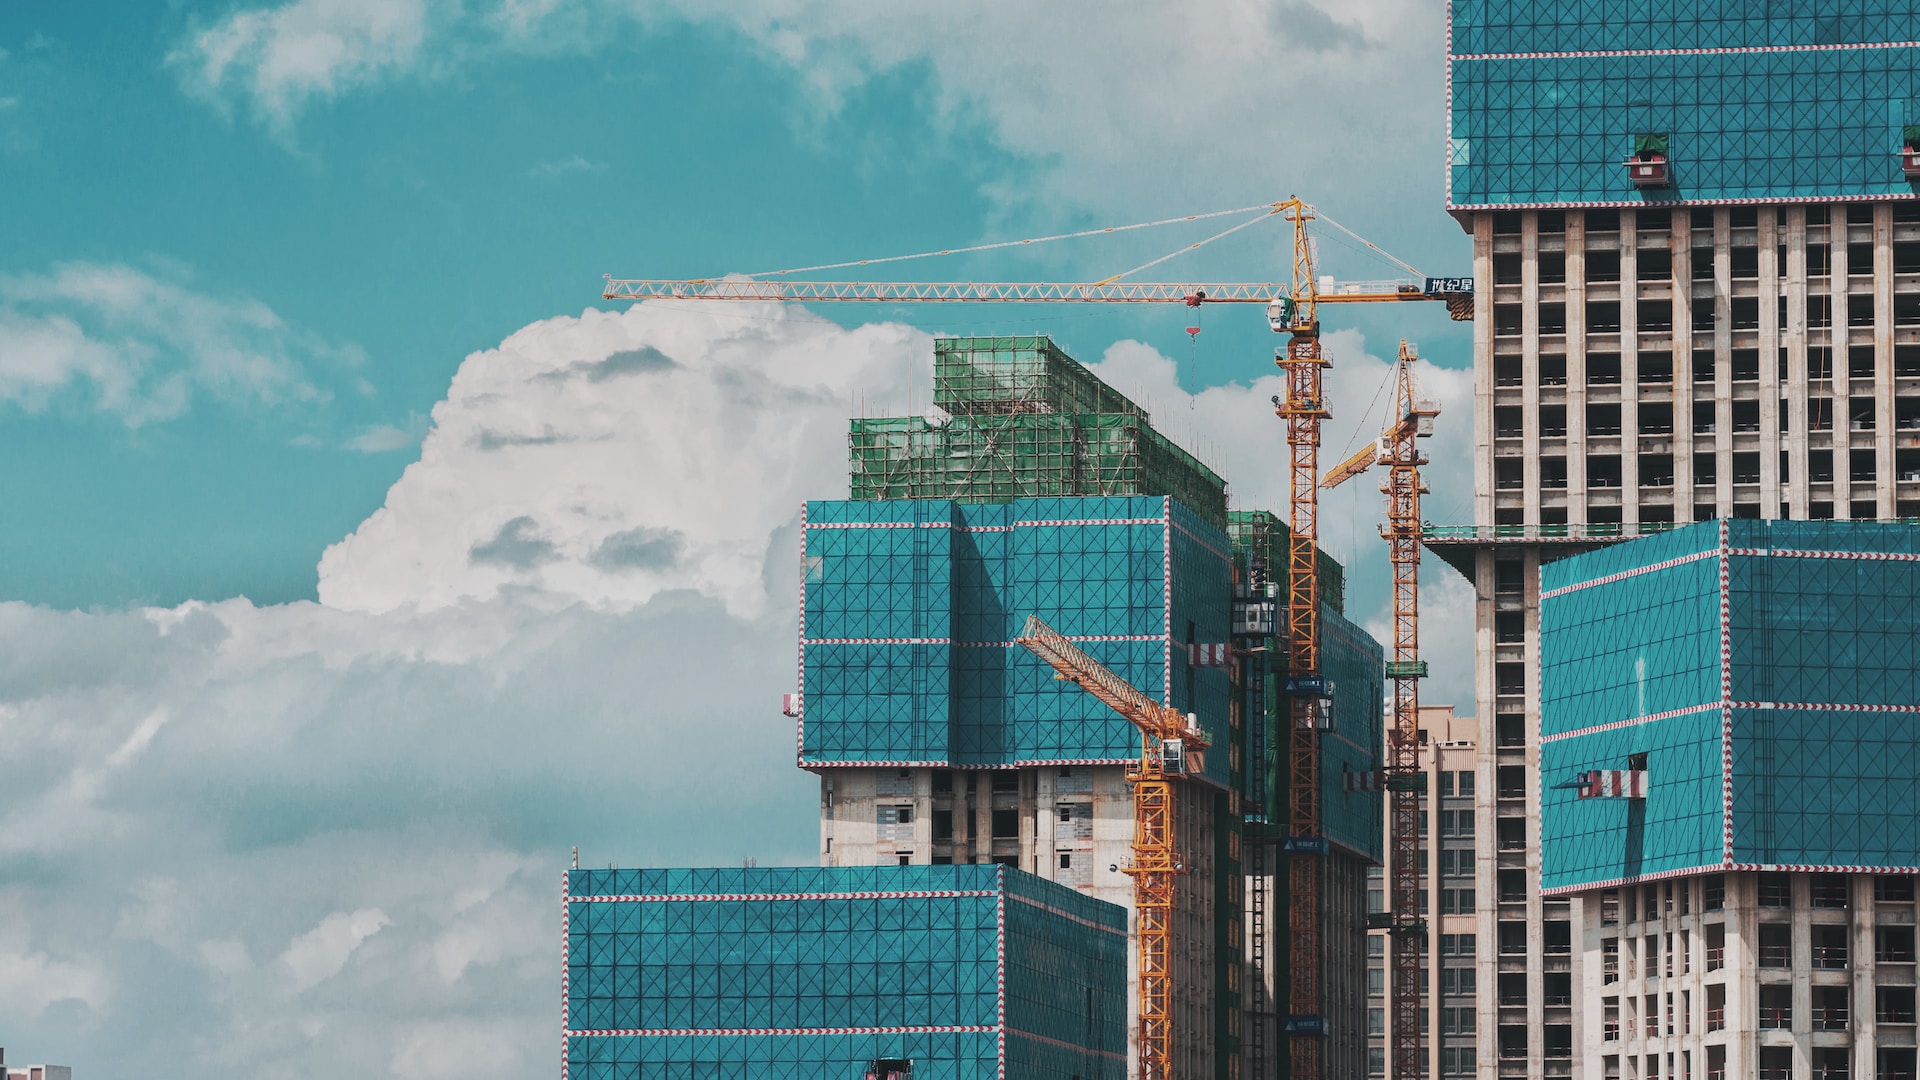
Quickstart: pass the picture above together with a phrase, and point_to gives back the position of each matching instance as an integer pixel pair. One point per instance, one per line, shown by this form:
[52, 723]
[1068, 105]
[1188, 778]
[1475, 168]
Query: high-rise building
[1037, 490]
[1459, 855]
[1730, 763]
[1697, 262]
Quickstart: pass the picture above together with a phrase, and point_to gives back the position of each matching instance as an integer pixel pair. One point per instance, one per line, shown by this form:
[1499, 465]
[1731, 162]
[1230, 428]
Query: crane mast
[1303, 409]
[1399, 450]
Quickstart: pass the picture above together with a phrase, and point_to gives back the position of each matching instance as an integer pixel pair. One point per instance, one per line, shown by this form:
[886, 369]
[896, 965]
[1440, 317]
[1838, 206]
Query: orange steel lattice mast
[1303, 409]
[1170, 746]
[1399, 450]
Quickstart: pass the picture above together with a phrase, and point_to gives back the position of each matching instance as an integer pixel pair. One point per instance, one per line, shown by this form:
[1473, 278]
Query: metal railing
[1776, 1019]
[1830, 1018]
[1591, 531]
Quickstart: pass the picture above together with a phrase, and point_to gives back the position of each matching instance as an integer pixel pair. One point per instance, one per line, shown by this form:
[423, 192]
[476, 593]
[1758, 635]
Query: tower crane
[1399, 450]
[1171, 746]
[1292, 309]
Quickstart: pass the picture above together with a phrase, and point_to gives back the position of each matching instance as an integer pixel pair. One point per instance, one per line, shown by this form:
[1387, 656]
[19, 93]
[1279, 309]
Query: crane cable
[1268, 208]
[1190, 247]
[1401, 263]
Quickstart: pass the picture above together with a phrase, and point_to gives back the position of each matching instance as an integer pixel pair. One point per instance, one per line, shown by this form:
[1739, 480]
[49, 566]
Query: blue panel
[1352, 660]
[909, 626]
[1643, 645]
[1677, 826]
[1822, 788]
[1824, 687]
[1802, 117]
[797, 972]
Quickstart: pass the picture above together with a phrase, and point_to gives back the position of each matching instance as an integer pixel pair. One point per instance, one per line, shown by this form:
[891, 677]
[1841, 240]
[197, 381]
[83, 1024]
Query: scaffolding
[1022, 419]
[798, 973]
[999, 376]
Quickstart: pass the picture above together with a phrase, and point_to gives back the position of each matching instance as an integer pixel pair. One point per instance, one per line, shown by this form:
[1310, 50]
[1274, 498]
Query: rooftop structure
[927, 973]
[1019, 418]
[1810, 101]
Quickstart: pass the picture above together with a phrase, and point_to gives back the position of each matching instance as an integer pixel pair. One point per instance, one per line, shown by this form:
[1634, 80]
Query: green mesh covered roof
[1018, 374]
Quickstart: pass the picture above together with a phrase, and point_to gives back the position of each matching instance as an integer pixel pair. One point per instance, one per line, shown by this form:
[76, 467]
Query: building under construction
[1728, 761]
[943, 746]
[1042, 491]
[1697, 258]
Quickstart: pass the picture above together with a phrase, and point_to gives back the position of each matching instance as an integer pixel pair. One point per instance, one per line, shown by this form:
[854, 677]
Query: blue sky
[351, 576]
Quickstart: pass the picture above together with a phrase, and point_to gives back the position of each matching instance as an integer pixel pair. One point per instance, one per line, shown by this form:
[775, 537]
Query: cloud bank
[1086, 91]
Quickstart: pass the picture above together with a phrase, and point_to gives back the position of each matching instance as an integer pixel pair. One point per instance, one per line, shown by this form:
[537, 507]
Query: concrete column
[1576, 367]
[1770, 273]
[1883, 358]
[1802, 973]
[1535, 1033]
[1037, 845]
[1843, 390]
[1629, 366]
[1862, 1017]
[1743, 994]
[1682, 245]
[1483, 371]
[1485, 820]
[1794, 335]
[1723, 360]
[982, 832]
[1530, 358]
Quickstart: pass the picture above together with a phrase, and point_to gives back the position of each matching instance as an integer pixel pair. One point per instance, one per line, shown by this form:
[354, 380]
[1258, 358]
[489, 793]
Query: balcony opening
[1776, 1008]
[1776, 945]
[1776, 891]
[1830, 947]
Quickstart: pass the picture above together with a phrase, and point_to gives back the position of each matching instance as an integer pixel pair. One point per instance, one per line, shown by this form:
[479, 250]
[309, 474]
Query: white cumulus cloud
[321, 952]
[280, 58]
[612, 456]
[121, 341]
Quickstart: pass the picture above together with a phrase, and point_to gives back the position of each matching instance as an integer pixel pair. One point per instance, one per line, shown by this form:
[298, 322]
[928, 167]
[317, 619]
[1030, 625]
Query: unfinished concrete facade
[1069, 824]
[1774, 976]
[1459, 860]
[1587, 433]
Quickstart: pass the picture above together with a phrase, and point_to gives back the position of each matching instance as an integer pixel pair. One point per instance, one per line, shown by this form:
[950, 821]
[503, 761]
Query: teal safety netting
[1795, 746]
[1352, 661]
[911, 608]
[814, 972]
[1815, 110]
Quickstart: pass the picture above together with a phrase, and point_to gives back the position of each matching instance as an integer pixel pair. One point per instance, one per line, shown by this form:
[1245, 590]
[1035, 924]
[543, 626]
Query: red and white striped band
[929, 1029]
[1729, 50]
[1665, 564]
[696, 898]
[1635, 721]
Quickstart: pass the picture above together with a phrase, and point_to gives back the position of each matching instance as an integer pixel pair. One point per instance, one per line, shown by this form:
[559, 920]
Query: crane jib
[1033, 292]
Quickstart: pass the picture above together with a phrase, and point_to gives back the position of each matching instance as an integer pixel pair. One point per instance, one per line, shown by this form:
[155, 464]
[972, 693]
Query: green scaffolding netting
[997, 458]
[977, 376]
